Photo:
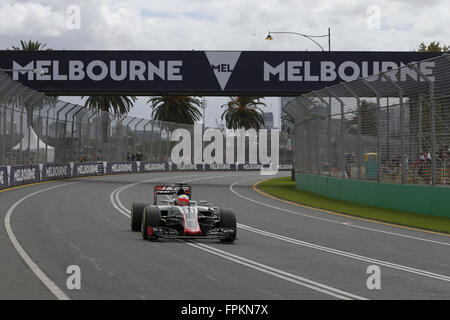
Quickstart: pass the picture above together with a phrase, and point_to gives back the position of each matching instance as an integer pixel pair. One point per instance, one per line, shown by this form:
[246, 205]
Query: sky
[358, 25]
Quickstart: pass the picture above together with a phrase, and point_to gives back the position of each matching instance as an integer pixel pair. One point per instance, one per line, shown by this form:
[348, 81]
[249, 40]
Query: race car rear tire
[150, 218]
[228, 220]
[137, 210]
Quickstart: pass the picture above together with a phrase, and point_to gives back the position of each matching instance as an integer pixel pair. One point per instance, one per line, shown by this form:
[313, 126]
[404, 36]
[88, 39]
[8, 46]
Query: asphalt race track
[282, 252]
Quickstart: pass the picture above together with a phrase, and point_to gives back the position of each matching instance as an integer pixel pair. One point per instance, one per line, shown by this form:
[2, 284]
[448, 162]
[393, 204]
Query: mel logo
[223, 64]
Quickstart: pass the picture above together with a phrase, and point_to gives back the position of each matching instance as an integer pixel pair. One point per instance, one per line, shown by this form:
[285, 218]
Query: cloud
[224, 24]
[228, 25]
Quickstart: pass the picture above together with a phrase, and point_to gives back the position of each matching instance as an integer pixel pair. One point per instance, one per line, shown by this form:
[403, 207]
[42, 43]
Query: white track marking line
[331, 291]
[57, 292]
[351, 225]
[420, 272]
[347, 254]
[249, 263]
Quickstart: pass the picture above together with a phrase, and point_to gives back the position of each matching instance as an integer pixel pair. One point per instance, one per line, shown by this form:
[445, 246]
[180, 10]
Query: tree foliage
[30, 46]
[433, 47]
[178, 109]
[368, 114]
[113, 104]
[244, 112]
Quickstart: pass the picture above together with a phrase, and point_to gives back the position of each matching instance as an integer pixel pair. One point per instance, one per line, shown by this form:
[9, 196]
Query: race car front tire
[137, 210]
[151, 218]
[228, 221]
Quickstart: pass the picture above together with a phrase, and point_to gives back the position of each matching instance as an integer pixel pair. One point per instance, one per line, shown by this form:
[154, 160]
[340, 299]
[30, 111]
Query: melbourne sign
[54, 171]
[201, 72]
[24, 174]
[85, 169]
[3, 177]
[121, 167]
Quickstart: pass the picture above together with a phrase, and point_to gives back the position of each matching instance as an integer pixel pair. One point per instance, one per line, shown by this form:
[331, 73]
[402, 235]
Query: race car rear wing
[175, 189]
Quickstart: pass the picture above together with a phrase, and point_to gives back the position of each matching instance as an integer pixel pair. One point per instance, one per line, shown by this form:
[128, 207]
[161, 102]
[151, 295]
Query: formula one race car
[178, 217]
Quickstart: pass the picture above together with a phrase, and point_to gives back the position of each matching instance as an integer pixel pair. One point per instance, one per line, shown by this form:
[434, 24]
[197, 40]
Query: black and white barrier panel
[21, 175]
[152, 166]
[121, 167]
[185, 167]
[258, 166]
[219, 167]
[4, 183]
[85, 169]
[54, 171]
[12, 176]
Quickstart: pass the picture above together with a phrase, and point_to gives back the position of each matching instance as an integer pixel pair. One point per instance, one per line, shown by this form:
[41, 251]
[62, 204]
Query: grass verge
[285, 189]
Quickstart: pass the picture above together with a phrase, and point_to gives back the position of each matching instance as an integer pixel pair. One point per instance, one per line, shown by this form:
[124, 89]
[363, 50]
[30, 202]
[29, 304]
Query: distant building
[268, 120]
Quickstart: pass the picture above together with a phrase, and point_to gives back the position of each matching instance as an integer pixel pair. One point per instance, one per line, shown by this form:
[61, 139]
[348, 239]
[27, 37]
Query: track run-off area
[282, 251]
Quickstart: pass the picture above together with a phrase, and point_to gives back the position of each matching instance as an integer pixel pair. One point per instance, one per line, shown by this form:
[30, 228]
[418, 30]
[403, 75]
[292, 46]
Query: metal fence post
[20, 135]
[402, 134]
[342, 130]
[88, 134]
[377, 128]
[306, 156]
[80, 134]
[420, 121]
[432, 118]
[46, 131]
[135, 135]
[11, 132]
[144, 139]
[328, 128]
[72, 133]
[358, 138]
[65, 131]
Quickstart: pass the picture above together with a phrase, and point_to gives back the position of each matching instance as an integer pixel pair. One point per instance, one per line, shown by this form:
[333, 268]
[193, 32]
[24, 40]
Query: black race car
[194, 221]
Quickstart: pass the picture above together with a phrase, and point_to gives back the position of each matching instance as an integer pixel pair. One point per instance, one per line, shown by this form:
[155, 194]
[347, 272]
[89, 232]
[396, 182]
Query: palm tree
[30, 46]
[178, 109]
[110, 104]
[244, 112]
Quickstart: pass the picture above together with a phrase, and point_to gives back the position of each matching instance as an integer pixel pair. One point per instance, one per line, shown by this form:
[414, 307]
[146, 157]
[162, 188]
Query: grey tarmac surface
[282, 252]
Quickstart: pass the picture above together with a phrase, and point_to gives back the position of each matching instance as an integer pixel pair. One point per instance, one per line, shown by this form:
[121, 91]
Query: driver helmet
[183, 200]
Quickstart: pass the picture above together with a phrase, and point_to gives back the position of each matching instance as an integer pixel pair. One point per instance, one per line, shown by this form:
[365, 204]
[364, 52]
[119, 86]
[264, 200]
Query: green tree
[368, 113]
[244, 112]
[30, 46]
[433, 47]
[442, 107]
[178, 109]
[111, 104]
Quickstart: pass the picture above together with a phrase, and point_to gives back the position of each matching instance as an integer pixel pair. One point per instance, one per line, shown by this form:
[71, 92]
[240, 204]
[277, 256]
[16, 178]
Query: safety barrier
[13, 176]
[420, 199]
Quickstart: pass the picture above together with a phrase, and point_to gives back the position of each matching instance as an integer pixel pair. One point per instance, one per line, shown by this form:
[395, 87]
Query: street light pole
[310, 37]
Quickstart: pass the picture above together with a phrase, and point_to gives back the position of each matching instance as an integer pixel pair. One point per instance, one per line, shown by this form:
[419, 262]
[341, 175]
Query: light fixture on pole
[269, 37]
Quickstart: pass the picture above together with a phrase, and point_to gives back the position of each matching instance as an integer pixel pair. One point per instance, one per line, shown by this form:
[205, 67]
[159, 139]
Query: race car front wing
[169, 233]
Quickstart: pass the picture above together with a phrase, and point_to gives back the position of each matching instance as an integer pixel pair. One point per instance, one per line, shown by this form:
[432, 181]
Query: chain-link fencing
[35, 128]
[392, 126]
